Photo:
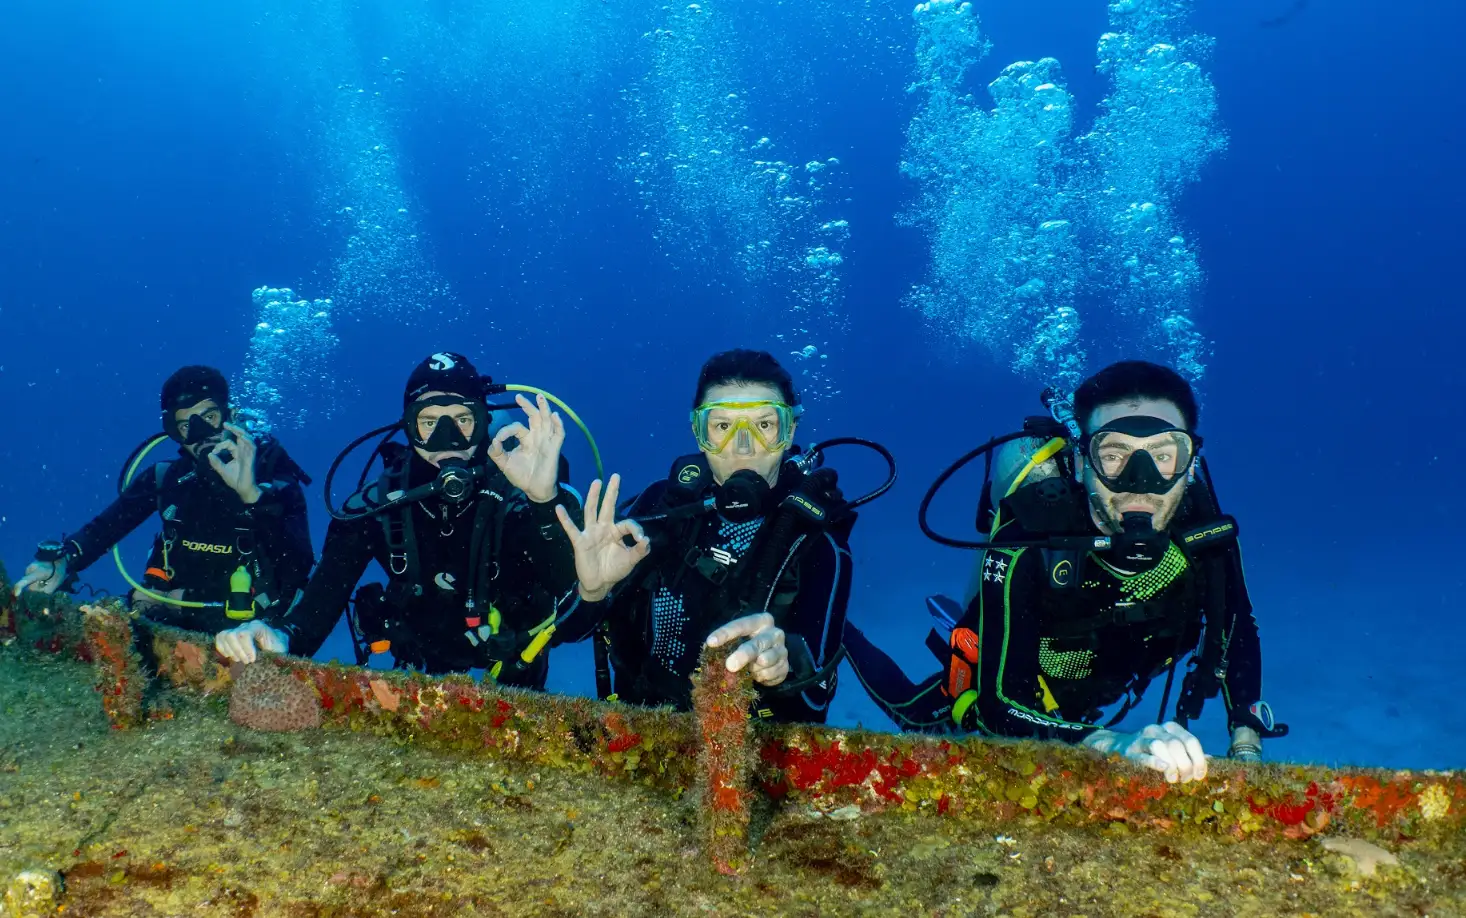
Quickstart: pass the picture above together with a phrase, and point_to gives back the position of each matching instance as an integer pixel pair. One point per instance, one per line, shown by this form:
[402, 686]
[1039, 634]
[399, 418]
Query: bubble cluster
[286, 371]
[720, 196]
[347, 104]
[382, 267]
[531, 83]
[1029, 224]
[1158, 127]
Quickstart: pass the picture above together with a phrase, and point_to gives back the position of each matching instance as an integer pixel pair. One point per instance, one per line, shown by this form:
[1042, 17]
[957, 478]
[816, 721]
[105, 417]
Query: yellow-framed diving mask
[768, 423]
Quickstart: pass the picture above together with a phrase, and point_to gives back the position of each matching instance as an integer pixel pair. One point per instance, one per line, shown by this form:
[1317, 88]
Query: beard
[1162, 507]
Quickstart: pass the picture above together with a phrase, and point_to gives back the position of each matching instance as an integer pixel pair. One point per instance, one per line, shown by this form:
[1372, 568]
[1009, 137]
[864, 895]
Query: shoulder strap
[1209, 666]
[780, 541]
[397, 529]
[160, 476]
[484, 545]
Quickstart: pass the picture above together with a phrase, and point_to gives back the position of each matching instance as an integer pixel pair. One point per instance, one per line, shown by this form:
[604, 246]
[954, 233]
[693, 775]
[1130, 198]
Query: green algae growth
[194, 816]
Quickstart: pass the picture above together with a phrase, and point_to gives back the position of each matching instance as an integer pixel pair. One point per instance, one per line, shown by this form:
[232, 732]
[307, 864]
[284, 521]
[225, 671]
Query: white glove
[1168, 748]
[238, 644]
[42, 577]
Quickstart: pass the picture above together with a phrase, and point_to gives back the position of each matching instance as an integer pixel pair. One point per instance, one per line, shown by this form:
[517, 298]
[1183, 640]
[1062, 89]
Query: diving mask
[1140, 455]
[199, 427]
[743, 423]
[450, 431]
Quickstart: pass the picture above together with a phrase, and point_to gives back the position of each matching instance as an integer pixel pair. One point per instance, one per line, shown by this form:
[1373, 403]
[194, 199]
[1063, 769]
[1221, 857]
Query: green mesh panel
[1064, 664]
[1141, 587]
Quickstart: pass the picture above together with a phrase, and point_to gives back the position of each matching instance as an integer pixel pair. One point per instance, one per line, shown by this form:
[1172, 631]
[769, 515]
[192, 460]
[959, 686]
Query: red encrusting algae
[955, 779]
[721, 703]
[109, 643]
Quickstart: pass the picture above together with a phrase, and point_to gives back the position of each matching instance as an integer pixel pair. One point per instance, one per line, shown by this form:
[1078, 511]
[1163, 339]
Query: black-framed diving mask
[449, 432]
[1140, 454]
[199, 427]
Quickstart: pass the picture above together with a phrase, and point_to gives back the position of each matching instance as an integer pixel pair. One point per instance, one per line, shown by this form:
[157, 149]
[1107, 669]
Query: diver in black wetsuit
[463, 527]
[1086, 593]
[741, 543]
[235, 541]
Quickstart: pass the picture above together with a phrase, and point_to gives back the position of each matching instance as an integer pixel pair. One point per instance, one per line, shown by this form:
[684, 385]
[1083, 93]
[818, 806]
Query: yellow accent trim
[536, 645]
[1041, 455]
[1044, 454]
[1007, 632]
[570, 412]
[1050, 705]
[959, 707]
[1215, 530]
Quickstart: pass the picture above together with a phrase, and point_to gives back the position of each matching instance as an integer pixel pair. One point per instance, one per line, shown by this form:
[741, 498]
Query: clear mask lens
[453, 425]
[743, 426]
[1120, 458]
[201, 427]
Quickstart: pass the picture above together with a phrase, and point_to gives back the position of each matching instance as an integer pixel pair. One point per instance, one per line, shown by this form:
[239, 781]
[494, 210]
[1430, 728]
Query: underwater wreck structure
[782, 819]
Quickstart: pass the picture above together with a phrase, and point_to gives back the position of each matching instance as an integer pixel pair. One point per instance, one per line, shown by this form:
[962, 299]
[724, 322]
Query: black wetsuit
[423, 610]
[1045, 661]
[696, 580]
[208, 533]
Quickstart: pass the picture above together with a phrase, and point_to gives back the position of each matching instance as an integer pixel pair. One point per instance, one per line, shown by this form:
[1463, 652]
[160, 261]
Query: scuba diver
[745, 541]
[463, 525]
[1108, 560]
[235, 542]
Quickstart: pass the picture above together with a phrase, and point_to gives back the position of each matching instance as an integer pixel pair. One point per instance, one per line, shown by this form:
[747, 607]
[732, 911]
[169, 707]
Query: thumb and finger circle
[514, 429]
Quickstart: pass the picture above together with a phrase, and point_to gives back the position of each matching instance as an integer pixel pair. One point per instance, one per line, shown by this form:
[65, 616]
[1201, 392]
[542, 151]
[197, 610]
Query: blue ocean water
[594, 195]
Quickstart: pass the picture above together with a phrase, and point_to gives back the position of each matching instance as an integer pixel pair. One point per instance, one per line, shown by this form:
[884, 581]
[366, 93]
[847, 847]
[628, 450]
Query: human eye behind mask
[1141, 455]
[201, 436]
[458, 429]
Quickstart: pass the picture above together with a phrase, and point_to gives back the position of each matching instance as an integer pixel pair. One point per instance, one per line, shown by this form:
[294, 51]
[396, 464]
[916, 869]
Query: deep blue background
[159, 164]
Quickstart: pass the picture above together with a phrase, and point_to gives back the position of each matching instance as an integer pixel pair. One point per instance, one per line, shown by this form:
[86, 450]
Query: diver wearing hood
[1101, 574]
[740, 545]
[463, 528]
[232, 511]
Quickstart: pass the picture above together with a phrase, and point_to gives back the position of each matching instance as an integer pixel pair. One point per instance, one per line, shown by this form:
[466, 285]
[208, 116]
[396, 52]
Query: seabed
[433, 798]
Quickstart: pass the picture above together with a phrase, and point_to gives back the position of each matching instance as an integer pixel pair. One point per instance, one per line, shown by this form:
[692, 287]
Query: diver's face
[428, 420]
[1107, 507]
[743, 451]
[210, 413]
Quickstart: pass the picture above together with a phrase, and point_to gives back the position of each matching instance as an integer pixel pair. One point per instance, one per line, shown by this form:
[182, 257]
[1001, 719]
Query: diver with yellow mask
[1108, 565]
[744, 544]
[462, 524]
[235, 540]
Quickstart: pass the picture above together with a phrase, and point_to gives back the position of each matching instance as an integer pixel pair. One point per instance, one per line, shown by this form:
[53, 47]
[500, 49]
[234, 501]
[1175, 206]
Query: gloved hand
[1168, 748]
[42, 577]
[238, 644]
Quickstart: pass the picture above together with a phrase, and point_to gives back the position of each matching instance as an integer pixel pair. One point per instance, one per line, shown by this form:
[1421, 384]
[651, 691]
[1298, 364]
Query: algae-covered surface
[194, 816]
